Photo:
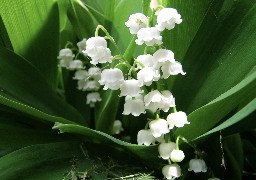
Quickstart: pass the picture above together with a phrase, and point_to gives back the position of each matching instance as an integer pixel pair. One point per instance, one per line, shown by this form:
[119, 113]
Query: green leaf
[204, 118]
[240, 115]
[26, 90]
[220, 55]
[145, 153]
[233, 150]
[4, 38]
[46, 161]
[82, 19]
[33, 28]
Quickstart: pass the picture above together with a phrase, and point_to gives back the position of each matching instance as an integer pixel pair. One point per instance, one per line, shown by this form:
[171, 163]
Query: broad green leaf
[15, 136]
[233, 150]
[145, 153]
[46, 161]
[4, 37]
[204, 118]
[245, 111]
[26, 90]
[220, 55]
[33, 28]
[82, 19]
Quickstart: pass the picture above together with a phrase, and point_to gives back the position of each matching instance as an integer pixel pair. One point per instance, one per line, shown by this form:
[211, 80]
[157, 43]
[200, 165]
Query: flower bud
[177, 155]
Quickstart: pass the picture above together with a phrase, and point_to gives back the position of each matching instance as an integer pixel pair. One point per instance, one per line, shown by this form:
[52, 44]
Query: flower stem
[108, 36]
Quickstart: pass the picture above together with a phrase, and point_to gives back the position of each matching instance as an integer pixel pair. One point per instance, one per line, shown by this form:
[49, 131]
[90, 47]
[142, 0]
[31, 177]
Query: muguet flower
[171, 171]
[197, 165]
[94, 73]
[165, 149]
[168, 100]
[81, 74]
[145, 137]
[66, 54]
[66, 57]
[167, 18]
[177, 155]
[172, 68]
[177, 119]
[130, 87]
[111, 78]
[81, 45]
[153, 4]
[88, 85]
[136, 22]
[92, 98]
[96, 49]
[147, 75]
[149, 36]
[134, 105]
[158, 127]
[117, 127]
[162, 56]
[147, 60]
[65, 63]
[153, 101]
[75, 65]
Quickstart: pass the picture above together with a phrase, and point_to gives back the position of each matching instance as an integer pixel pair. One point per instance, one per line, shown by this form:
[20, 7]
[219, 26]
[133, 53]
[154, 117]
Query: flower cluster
[87, 80]
[140, 86]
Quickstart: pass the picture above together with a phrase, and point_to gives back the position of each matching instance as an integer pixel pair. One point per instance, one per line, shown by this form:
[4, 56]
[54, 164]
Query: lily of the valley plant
[137, 82]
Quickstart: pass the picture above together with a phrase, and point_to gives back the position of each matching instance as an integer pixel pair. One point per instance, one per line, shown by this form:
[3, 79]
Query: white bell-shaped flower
[147, 75]
[167, 18]
[165, 149]
[149, 36]
[160, 139]
[81, 74]
[197, 165]
[172, 68]
[168, 100]
[171, 171]
[111, 78]
[65, 63]
[88, 85]
[147, 60]
[162, 56]
[145, 137]
[96, 49]
[92, 98]
[91, 85]
[66, 54]
[177, 155]
[75, 65]
[134, 105]
[117, 127]
[130, 87]
[158, 127]
[153, 4]
[177, 119]
[153, 101]
[136, 22]
[94, 73]
[82, 45]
